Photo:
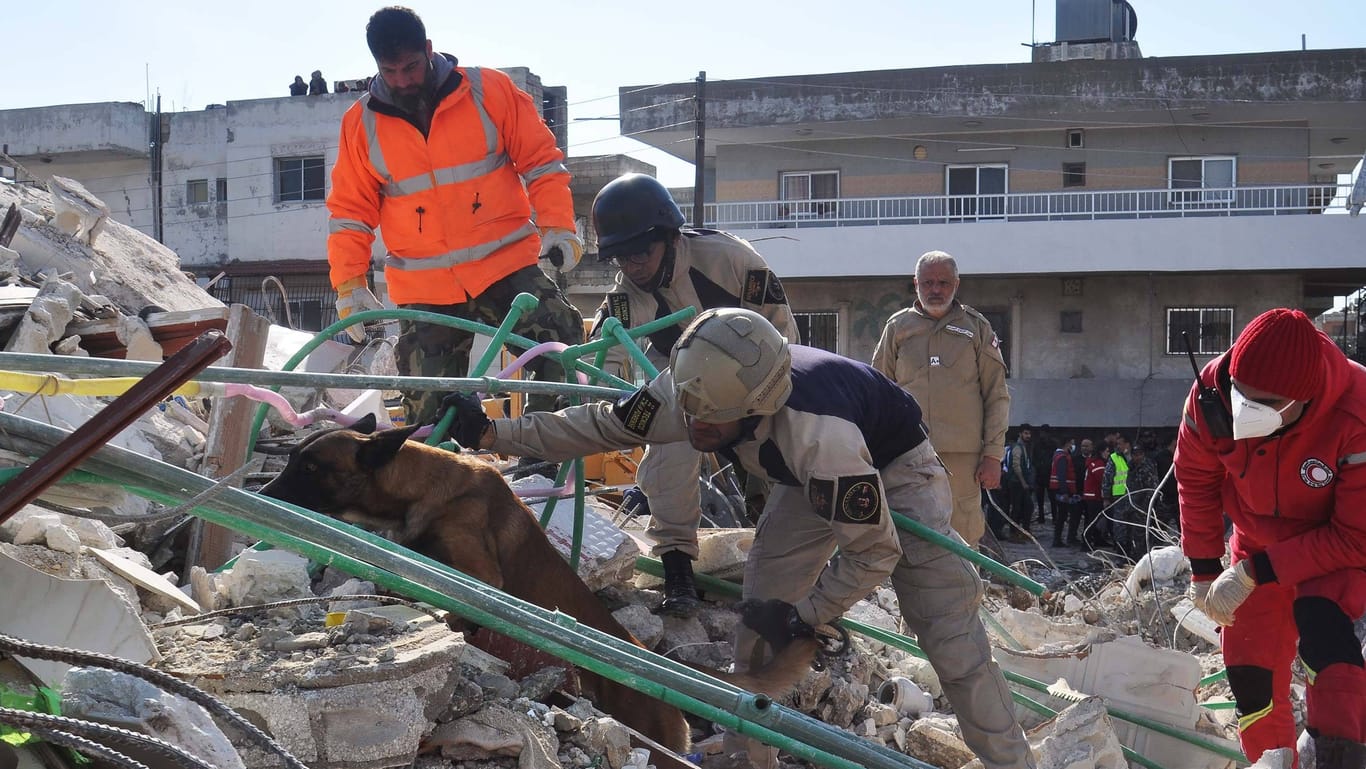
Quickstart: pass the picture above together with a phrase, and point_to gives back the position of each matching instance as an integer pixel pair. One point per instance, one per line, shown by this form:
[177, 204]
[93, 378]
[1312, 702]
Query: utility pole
[156, 173]
[700, 152]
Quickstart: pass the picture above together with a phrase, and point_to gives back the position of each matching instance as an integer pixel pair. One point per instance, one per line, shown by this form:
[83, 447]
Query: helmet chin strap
[664, 275]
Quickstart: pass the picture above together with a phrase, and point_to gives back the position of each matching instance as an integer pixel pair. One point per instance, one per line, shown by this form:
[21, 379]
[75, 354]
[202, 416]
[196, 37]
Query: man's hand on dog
[775, 621]
[470, 420]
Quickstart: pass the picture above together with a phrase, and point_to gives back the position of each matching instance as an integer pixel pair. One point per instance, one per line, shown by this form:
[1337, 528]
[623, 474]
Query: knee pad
[1326, 634]
[1251, 687]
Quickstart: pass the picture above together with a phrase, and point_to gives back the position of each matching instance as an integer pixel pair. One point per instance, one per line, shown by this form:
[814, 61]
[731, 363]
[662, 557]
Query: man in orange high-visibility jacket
[449, 163]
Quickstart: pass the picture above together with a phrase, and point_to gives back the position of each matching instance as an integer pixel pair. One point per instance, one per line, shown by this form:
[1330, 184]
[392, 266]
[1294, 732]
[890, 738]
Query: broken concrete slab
[360, 701]
[119, 699]
[76, 211]
[46, 319]
[935, 741]
[128, 267]
[495, 730]
[1032, 630]
[721, 553]
[166, 593]
[1081, 737]
[85, 614]
[607, 556]
[1145, 680]
[263, 576]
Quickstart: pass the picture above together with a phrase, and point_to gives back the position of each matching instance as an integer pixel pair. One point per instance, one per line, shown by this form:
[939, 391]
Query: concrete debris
[263, 576]
[119, 699]
[348, 683]
[76, 211]
[45, 603]
[100, 256]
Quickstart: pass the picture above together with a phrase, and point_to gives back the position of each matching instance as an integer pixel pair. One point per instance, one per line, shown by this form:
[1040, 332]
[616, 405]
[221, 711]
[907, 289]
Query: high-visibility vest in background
[1121, 482]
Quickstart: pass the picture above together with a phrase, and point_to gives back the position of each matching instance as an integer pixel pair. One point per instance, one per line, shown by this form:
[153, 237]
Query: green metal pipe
[521, 304]
[1212, 677]
[350, 549]
[71, 365]
[962, 550]
[612, 329]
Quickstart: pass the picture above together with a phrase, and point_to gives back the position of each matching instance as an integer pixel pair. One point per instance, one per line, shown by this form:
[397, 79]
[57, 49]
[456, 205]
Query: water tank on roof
[1095, 21]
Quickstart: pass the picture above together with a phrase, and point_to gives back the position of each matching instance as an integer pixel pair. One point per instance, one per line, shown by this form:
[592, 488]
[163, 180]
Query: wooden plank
[172, 330]
[229, 425]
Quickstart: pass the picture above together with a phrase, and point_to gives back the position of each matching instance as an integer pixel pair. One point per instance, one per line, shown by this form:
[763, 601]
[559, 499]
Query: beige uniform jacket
[842, 428]
[953, 367]
[711, 269]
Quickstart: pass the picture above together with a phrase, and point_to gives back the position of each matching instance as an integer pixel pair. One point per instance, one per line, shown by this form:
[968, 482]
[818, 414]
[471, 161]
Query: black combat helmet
[630, 213]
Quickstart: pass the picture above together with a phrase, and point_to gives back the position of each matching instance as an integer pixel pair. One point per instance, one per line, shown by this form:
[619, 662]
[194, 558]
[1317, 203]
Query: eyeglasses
[623, 259]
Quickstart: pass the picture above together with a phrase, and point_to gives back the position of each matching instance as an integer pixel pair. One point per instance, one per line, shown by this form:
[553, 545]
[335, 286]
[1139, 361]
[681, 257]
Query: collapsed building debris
[347, 682]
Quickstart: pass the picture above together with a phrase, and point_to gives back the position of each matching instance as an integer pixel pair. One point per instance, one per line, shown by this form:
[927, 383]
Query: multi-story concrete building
[1097, 207]
[237, 190]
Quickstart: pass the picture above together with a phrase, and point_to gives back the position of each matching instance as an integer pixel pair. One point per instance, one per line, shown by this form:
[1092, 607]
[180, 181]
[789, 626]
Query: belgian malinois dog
[460, 511]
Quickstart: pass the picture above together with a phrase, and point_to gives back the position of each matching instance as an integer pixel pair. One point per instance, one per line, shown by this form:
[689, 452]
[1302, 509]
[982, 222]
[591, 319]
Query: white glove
[1198, 592]
[562, 248]
[1228, 592]
[355, 296]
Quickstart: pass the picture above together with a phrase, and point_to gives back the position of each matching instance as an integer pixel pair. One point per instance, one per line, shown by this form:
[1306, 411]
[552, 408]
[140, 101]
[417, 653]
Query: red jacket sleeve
[1200, 478]
[531, 147]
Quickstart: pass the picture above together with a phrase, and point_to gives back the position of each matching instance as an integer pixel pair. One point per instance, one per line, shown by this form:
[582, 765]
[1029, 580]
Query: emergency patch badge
[763, 287]
[1315, 473]
[637, 412]
[619, 305]
[858, 499]
[821, 493]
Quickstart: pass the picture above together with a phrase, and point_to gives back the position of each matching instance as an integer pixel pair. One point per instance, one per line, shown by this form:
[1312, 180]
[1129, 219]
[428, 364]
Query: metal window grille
[818, 329]
[310, 300]
[300, 179]
[1210, 329]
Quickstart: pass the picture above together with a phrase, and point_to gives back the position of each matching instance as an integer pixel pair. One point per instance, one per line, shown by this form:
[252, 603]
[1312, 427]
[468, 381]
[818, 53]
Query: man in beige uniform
[665, 267]
[946, 355]
[844, 447]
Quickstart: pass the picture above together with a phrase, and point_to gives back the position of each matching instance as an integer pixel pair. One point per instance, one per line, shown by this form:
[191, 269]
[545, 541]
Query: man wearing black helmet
[665, 267]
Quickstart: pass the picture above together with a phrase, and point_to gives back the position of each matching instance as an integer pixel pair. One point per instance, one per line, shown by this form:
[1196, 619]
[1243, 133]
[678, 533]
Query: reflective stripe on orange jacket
[454, 207]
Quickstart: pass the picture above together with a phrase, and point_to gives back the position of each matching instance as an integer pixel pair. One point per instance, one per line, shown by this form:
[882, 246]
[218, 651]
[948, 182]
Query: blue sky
[64, 51]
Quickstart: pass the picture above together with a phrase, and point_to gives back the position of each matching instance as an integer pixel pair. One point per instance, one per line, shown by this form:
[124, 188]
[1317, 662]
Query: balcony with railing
[1055, 206]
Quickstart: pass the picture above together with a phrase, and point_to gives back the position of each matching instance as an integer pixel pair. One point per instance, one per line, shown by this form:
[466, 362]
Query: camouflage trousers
[426, 349]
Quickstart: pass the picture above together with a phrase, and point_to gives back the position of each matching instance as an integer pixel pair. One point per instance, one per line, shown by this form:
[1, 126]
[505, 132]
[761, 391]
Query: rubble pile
[345, 679]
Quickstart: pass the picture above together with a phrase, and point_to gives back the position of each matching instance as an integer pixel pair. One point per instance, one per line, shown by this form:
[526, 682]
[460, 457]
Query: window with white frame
[812, 193]
[977, 191]
[196, 191]
[1210, 329]
[818, 329]
[300, 179]
[1197, 180]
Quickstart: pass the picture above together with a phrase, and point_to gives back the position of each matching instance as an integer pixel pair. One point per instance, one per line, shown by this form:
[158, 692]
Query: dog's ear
[365, 424]
[380, 449]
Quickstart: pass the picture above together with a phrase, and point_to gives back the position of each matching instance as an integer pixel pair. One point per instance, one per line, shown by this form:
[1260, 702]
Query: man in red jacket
[1274, 436]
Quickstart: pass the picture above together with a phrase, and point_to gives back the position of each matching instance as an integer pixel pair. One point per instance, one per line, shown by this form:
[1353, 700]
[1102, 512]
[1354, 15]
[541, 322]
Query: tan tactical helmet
[729, 364]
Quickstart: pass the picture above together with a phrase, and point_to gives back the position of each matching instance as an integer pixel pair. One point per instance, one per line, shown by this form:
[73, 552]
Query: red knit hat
[1280, 352]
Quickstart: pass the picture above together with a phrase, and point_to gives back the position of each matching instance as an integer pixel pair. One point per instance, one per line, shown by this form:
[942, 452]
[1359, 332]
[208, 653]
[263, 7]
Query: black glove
[634, 502]
[470, 419]
[775, 621]
[555, 256]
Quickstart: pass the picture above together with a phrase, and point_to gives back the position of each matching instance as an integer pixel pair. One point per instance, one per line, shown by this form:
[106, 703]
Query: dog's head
[334, 471]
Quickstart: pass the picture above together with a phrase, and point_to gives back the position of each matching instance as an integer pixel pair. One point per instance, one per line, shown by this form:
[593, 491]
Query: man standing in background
[449, 162]
[947, 355]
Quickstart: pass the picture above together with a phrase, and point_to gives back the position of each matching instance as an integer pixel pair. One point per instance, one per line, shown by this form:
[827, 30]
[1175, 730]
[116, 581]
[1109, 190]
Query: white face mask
[1252, 419]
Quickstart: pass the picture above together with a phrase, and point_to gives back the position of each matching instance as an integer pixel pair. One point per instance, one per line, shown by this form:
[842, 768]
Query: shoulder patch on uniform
[763, 287]
[637, 411]
[858, 499]
[960, 330]
[756, 282]
[1315, 473]
[619, 305]
[821, 494]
